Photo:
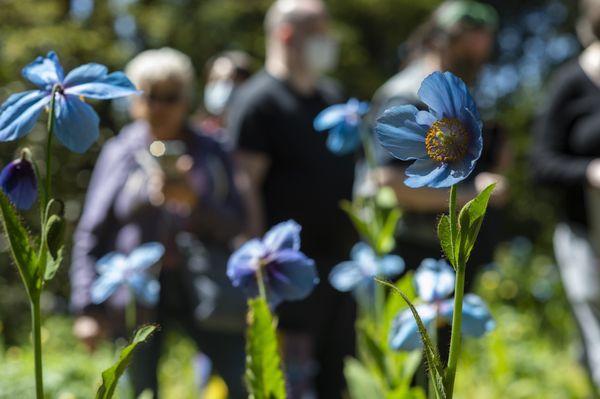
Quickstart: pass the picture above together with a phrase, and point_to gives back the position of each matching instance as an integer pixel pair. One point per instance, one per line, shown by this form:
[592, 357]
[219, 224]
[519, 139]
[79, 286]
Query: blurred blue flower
[76, 123]
[476, 321]
[444, 141]
[343, 123]
[288, 274]
[434, 280]
[19, 183]
[116, 270]
[358, 273]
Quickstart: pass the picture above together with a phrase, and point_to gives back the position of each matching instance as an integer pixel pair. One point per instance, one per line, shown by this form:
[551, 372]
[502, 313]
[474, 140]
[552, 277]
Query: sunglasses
[163, 98]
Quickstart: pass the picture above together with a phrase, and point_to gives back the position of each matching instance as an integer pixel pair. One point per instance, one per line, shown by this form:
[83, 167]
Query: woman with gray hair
[566, 154]
[161, 181]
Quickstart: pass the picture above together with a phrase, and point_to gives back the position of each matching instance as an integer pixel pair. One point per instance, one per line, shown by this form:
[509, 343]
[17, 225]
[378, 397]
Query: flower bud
[18, 181]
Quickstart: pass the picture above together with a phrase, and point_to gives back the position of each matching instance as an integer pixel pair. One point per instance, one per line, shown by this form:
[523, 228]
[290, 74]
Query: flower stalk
[36, 324]
[459, 288]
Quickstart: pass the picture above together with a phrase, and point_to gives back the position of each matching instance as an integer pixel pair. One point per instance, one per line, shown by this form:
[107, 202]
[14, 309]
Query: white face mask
[321, 53]
[216, 96]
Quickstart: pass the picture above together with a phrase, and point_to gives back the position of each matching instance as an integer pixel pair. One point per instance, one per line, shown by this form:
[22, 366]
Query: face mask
[321, 53]
[216, 96]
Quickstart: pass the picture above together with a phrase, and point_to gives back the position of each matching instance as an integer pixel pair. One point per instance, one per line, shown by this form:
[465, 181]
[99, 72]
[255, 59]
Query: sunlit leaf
[110, 376]
[361, 383]
[470, 220]
[445, 237]
[264, 378]
[436, 369]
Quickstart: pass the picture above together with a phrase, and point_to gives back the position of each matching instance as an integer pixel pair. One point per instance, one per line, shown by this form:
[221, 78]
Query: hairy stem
[36, 324]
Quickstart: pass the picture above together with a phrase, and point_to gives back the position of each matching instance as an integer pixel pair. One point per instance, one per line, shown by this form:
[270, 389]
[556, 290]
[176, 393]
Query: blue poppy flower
[19, 183]
[116, 270]
[76, 123]
[365, 264]
[445, 141]
[343, 123]
[288, 274]
[434, 280]
[476, 321]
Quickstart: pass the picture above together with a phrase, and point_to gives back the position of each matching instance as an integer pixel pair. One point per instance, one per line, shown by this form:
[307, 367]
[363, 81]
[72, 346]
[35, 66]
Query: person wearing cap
[293, 175]
[566, 158]
[458, 37]
[160, 180]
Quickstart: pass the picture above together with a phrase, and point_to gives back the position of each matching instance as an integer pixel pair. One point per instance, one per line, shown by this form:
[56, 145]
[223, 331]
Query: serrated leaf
[436, 369]
[361, 383]
[445, 237]
[21, 249]
[110, 376]
[264, 378]
[470, 220]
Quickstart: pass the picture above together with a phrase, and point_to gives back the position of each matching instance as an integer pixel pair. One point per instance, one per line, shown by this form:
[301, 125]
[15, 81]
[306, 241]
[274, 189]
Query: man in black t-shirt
[292, 175]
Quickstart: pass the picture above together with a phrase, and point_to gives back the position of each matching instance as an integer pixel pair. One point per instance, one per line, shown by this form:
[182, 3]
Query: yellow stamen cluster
[447, 140]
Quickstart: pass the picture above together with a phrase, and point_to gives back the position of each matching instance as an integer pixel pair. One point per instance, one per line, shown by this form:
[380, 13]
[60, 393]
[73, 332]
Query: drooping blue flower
[19, 183]
[434, 280]
[476, 321]
[288, 274]
[343, 123]
[76, 123]
[357, 274]
[445, 142]
[116, 270]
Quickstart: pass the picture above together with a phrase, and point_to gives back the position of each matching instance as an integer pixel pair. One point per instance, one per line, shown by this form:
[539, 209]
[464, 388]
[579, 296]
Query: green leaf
[436, 369]
[55, 234]
[264, 378]
[361, 383]
[470, 220]
[386, 240]
[53, 263]
[21, 249]
[369, 348]
[445, 237]
[110, 376]
[361, 226]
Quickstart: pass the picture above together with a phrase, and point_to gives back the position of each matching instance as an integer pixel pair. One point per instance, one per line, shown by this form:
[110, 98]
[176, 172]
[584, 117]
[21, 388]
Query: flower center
[447, 140]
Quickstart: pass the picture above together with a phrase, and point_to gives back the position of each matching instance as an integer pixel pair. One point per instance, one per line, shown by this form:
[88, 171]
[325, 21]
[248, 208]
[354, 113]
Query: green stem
[453, 221]
[131, 314]
[456, 336]
[36, 322]
[368, 149]
[379, 305]
[261, 284]
[50, 129]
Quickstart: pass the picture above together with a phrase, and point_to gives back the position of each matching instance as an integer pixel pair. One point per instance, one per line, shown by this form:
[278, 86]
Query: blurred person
[566, 155]
[225, 73]
[292, 175]
[160, 180]
[458, 37]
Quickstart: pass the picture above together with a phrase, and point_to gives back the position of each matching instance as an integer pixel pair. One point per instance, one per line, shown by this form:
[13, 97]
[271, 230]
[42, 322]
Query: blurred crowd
[203, 181]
